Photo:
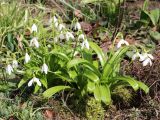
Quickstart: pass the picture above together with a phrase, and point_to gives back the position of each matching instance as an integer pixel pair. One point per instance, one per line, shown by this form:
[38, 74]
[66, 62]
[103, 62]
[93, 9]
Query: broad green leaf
[21, 83]
[78, 61]
[36, 88]
[144, 87]
[90, 86]
[53, 90]
[129, 80]
[44, 81]
[97, 93]
[105, 94]
[110, 65]
[61, 55]
[154, 16]
[91, 75]
[99, 52]
[155, 35]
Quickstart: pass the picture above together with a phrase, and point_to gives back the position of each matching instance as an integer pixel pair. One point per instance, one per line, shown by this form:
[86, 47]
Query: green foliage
[66, 70]
[10, 109]
[12, 19]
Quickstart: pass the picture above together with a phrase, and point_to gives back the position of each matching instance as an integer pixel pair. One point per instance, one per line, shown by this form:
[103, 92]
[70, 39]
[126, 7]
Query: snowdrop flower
[61, 27]
[55, 19]
[85, 44]
[69, 36]
[81, 36]
[77, 26]
[61, 36]
[34, 28]
[9, 69]
[27, 58]
[34, 80]
[146, 58]
[121, 42]
[56, 24]
[14, 64]
[55, 39]
[34, 42]
[136, 55]
[44, 68]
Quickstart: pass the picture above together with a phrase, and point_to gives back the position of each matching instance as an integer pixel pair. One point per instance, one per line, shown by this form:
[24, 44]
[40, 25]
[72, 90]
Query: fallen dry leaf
[49, 114]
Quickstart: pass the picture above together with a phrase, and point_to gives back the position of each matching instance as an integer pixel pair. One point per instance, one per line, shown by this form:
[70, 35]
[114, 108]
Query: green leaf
[105, 94]
[78, 61]
[99, 52]
[144, 87]
[44, 81]
[129, 80]
[21, 83]
[113, 62]
[61, 55]
[91, 75]
[154, 16]
[97, 93]
[90, 86]
[155, 35]
[53, 90]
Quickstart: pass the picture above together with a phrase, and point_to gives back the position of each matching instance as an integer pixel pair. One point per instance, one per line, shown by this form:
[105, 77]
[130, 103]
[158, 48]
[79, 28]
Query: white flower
[121, 42]
[81, 36]
[34, 80]
[55, 39]
[147, 61]
[61, 36]
[85, 44]
[34, 42]
[69, 36]
[136, 55]
[77, 26]
[61, 27]
[14, 64]
[56, 24]
[27, 58]
[44, 68]
[34, 28]
[55, 19]
[146, 58]
[9, 69]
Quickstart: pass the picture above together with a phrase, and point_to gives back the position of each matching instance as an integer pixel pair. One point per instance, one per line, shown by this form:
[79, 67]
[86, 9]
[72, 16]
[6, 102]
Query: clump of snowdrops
[58, 58]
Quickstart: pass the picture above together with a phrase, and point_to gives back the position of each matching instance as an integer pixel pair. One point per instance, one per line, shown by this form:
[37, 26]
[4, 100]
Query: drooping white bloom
[9, 69]
[27, 58]
[56, 39]
[146, 58]
[85, 44]
[147, 61]
[34, 80]
[55, 19]
[77, 26]
[34, 42]
[81, 37]
[34, 28]
[136, 55]
[61, 27]
[14, 64]
[44, 68]
[122, 42]
[61, 36]
[69, 36]
[56, 24]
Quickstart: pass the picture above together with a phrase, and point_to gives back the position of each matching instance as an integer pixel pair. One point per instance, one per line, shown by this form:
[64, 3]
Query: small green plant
[55, 59]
